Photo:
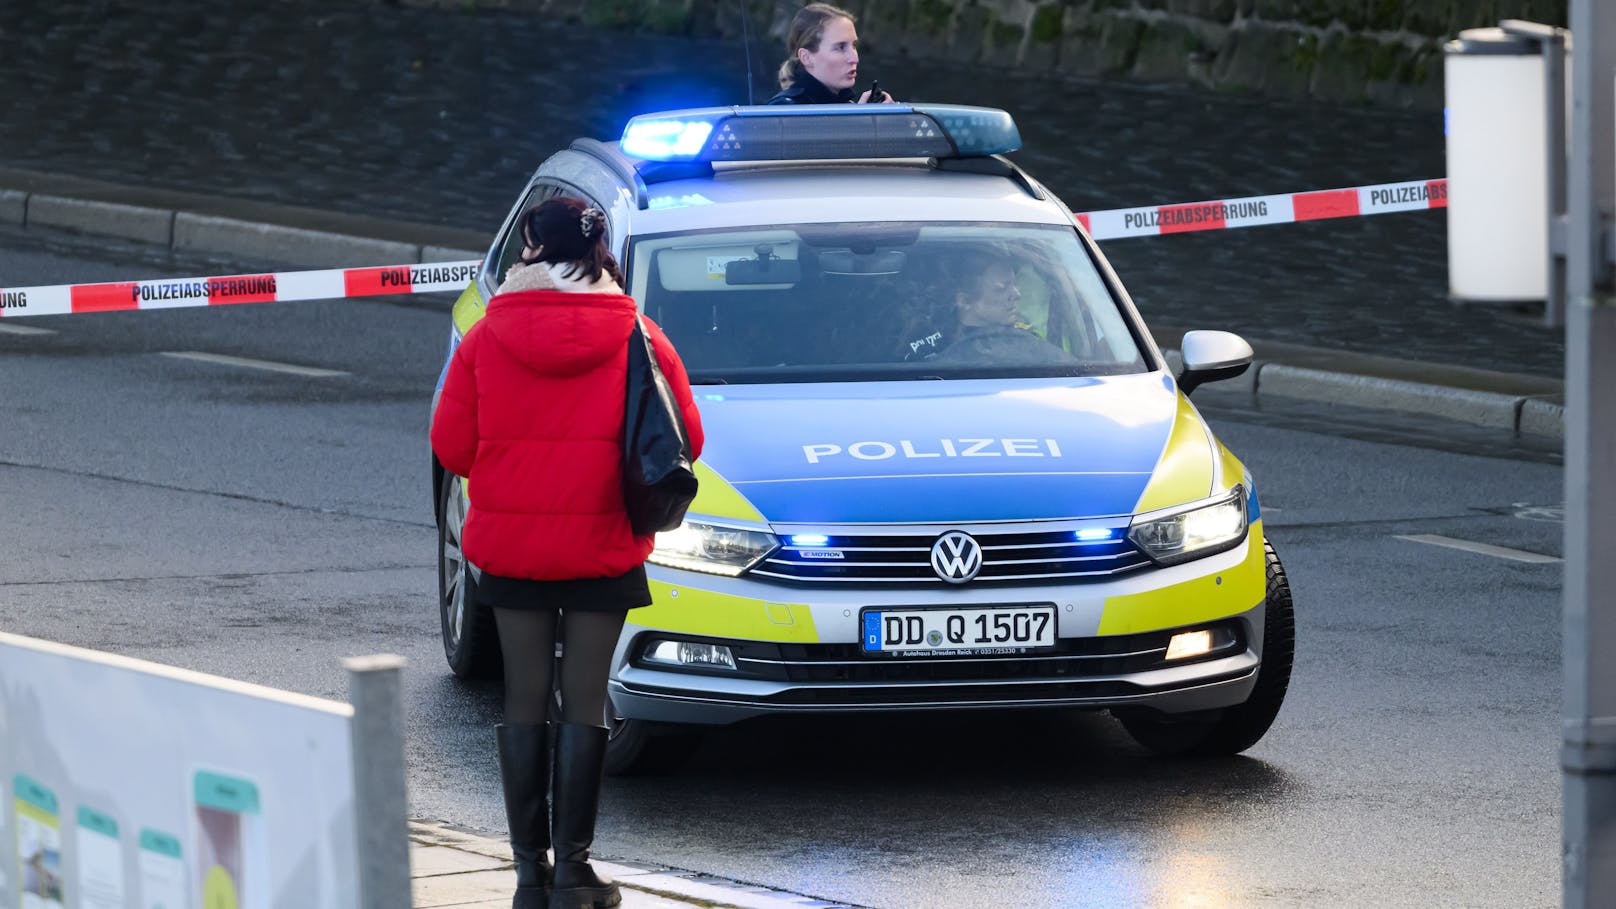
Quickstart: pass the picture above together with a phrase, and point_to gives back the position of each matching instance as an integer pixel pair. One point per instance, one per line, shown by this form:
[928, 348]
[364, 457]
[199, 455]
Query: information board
[128, 783]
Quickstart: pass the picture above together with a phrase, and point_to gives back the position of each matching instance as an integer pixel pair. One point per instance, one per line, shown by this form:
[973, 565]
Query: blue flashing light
[821, 131]
[1090, 534]
[809, 539]
[679, 139]
[975, 130]
[662, 203]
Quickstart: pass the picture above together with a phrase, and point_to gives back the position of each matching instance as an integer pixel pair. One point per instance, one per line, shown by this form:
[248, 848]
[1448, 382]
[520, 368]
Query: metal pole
[1552, 45]
[380, 802]
[1588, 755]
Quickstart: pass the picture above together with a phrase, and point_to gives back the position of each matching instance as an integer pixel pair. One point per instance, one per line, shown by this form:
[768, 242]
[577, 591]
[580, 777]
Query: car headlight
[1177, 535]
[713, 548]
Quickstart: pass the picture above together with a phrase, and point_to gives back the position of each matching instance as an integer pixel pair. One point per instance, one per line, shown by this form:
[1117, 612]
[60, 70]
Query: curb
[311, 238]
[1461, 404]
[1529, 405]
[188, 222]
[1515, 413]
[476, 854]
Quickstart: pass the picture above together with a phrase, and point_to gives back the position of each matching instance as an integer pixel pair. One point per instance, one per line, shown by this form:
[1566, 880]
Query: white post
[1588, 755]
[381, 818]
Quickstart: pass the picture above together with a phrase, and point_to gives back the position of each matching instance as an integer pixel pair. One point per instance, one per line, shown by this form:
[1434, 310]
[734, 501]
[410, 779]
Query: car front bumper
[804, 657]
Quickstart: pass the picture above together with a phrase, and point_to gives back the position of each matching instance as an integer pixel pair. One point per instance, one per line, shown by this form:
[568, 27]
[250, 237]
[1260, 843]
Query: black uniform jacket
[805, 89]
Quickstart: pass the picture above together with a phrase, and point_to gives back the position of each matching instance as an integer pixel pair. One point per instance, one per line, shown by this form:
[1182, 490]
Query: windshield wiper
[708, 380]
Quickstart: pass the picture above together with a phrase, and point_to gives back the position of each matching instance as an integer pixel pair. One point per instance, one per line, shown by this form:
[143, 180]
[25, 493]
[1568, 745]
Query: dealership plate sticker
[955, 632]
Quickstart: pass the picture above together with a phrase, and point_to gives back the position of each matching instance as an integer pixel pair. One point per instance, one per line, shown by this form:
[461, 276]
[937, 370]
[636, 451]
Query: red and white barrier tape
[173, 293]
[338, 283]
[1255, 211]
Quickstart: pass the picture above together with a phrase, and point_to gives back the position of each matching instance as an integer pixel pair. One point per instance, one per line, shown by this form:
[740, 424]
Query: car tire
[642, 747]
[470, 640]
[1232, 729]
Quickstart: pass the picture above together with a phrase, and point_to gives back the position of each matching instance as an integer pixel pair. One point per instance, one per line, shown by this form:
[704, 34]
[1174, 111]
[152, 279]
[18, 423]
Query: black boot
[580, 758]
[524, 769]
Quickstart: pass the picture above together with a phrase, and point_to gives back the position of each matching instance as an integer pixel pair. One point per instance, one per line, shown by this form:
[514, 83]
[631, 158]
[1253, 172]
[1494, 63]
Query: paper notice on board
[100, 861]
[162, 872]
[230, 843]
[39, 846]
[6, 898]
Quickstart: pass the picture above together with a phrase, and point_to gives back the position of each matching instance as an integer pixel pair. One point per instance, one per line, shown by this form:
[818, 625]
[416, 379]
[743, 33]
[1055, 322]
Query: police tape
[1256, 211]
[174, 293]
[339, 283]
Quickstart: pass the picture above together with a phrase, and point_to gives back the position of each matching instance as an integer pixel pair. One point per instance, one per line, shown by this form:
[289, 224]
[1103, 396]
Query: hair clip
[589, 219]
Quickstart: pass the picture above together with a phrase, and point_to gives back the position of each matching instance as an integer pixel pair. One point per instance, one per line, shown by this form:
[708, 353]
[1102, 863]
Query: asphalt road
[261, 525]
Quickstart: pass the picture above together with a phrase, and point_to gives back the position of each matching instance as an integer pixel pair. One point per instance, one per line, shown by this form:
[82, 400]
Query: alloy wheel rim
[454, 564]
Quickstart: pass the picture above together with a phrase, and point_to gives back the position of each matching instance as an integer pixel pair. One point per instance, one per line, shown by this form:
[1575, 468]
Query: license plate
[944, 632]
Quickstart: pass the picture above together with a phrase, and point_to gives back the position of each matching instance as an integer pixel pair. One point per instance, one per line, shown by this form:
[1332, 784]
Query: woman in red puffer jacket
[532, 414]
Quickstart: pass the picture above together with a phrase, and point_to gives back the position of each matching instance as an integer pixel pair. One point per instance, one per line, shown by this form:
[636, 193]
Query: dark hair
[965, 268]
[563, 231]
[806, 31]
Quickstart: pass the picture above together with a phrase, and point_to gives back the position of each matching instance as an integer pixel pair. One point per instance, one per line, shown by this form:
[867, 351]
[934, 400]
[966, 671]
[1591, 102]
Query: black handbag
[658, 478]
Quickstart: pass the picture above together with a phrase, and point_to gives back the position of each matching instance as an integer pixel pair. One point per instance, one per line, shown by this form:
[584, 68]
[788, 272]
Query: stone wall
[1357, 51]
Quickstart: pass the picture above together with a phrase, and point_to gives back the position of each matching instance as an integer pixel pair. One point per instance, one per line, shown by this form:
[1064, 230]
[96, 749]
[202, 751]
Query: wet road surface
[264, 525]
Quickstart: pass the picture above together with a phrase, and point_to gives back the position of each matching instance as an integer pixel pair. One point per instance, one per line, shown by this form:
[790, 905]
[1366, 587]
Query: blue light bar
[1090, 534]
[821, 131]
[976, 131]
[809, 539]
[665, 140]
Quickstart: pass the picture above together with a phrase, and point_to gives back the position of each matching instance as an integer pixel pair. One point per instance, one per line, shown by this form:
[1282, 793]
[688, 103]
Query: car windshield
[883, 300]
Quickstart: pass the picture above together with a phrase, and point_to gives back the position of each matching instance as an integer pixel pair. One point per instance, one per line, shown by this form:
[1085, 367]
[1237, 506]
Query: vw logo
[956, 557]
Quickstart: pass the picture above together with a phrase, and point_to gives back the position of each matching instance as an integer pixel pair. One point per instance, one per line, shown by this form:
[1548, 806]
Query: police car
[946, 466]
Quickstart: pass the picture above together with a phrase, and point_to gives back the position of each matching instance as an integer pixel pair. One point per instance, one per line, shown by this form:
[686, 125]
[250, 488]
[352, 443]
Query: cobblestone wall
[1376, 51]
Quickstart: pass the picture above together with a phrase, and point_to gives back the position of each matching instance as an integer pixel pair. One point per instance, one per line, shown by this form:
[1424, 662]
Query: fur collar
[545, 276]
[580, 284]
[526, 277]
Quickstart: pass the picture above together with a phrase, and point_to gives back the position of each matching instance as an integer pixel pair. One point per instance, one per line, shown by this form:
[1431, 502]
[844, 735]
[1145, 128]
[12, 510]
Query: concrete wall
[1360, 51]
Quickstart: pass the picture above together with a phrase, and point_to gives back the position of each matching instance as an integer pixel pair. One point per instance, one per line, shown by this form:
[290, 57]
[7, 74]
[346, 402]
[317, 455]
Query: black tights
[527, 637]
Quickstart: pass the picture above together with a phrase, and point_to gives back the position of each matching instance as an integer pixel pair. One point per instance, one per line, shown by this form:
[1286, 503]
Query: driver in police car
[991, 301]
[987, 323]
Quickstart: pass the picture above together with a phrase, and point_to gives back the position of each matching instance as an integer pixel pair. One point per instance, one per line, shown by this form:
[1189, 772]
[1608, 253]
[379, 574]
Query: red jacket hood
[556, 333]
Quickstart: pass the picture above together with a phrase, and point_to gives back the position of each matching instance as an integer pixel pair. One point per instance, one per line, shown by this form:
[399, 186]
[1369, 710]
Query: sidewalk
[457, 868]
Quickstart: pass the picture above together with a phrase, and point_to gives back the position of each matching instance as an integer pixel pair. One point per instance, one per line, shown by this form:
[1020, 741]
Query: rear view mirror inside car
[766, 269]
[849, 262]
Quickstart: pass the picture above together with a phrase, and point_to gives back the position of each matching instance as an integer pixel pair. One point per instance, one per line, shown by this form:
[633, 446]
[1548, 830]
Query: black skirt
[626, 591]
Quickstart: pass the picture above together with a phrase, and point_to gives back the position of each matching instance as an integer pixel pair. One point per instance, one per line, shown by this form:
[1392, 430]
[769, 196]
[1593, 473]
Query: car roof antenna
[746, 42]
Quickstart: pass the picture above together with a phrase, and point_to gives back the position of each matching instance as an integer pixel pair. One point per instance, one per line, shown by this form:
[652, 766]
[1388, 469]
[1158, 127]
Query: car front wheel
[470, 640]
[1232, 729]
[635, 747]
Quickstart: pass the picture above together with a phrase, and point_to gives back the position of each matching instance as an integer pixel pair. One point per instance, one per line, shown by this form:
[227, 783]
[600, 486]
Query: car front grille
[1071, 658]
[905, 558]
[821, 675]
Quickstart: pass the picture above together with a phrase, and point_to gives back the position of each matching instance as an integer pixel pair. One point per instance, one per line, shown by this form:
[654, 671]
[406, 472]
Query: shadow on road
[954, 747]
[1026, 776]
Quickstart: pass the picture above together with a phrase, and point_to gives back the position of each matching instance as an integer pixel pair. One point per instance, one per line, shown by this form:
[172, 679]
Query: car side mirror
[1212, 356]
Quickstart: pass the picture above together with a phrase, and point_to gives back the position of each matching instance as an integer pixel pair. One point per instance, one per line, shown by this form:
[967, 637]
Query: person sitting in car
[982, 320]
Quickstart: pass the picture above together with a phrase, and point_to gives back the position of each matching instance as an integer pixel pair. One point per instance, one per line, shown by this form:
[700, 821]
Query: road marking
[1553, 514]
[246, 363]
[1497, 552]
[25, 330]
